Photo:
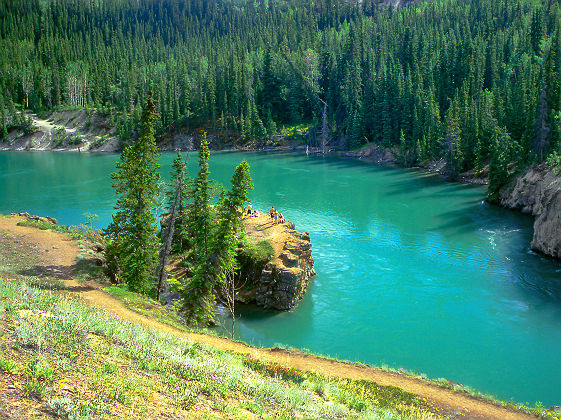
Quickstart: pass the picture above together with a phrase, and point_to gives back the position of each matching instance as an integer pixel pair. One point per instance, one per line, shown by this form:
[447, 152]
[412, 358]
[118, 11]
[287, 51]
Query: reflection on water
[412, 272]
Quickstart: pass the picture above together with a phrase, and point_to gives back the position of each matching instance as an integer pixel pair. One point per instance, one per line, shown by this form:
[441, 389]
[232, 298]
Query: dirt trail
[59, 253]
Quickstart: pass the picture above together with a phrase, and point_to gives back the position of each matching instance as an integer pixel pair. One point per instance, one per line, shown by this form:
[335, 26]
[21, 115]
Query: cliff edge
[538, 192]
[280, 282]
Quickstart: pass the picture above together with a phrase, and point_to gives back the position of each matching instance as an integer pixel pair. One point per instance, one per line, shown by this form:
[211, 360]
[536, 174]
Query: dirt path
[58, 255]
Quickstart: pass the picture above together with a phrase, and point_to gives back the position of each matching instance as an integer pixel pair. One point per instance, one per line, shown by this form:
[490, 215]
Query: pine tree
[197, 296]
[133, 230]
[3, 124]
[213, 233]
[180, 183]
[175, 221]
[498, 168]
[452, 141]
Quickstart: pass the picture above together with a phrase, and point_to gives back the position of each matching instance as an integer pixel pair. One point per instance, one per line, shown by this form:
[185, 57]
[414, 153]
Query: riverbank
[88, 131]
[53, 255]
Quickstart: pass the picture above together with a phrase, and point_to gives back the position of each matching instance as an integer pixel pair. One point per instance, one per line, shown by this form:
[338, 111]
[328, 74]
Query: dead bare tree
[227, 296]
[312, 92]
[166, 250]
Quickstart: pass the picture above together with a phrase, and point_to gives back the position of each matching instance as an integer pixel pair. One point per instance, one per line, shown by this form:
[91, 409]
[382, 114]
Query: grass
[76, 232]
[144, 305]
[75, 360]
[256, 252]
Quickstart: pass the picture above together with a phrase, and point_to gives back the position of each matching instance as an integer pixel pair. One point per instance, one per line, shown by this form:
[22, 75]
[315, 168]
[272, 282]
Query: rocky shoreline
[537, 191]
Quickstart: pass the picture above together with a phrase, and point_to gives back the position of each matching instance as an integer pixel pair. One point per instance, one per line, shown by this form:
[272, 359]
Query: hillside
[467, 82]
[69, 348]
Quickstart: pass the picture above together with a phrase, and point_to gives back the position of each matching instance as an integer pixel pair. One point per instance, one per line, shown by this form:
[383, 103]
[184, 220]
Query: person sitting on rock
[281, 218]
[255, 213]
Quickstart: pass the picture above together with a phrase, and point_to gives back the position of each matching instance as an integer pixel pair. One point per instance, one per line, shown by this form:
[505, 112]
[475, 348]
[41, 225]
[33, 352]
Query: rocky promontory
[280, 281]
[537, 191]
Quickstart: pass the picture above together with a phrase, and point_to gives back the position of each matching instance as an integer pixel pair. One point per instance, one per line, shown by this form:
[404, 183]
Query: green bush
[553, 162]
[260, 252]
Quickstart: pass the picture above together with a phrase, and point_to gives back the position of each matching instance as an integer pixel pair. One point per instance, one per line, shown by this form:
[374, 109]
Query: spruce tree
[133, 230]
[3, 124]
[213, 234]
[180, 184]
[498, 167]
[198, 298]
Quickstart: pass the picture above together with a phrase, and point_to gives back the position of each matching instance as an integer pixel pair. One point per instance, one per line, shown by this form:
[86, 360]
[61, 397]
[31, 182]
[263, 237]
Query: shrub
[553, 162]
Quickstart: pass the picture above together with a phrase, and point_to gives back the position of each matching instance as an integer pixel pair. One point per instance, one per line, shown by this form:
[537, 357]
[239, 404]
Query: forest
[474, 82]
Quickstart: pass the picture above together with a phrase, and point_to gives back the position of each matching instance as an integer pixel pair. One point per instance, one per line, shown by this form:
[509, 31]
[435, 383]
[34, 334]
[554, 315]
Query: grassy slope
[60, 356]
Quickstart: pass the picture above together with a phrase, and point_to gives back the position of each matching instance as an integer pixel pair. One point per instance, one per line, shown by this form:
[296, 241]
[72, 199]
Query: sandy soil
[58, 256]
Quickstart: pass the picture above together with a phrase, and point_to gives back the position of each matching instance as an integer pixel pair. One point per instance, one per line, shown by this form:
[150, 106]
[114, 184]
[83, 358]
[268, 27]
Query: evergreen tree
[452, 141]
[198, 298]
[176, 215]
[133, 230]
[213, 233]
[3, 123]
[498, 168]
[180, 184]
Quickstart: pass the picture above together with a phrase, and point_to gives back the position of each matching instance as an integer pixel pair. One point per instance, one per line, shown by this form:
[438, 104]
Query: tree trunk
[164, 256]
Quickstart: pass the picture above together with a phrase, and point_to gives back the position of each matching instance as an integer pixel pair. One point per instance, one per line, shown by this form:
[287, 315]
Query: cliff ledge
[280, 282]
[537, 191]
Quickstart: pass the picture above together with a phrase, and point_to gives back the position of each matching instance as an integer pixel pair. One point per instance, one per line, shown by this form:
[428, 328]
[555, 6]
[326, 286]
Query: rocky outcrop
[280, 281]
[284, 280]
[44, 219]
[538, 192]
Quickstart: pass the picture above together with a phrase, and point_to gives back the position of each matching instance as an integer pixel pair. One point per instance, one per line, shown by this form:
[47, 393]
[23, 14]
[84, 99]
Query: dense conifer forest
[471, 81]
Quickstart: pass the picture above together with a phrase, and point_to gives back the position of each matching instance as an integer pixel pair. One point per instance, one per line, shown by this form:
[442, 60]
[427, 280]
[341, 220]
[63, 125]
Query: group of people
[250, 212]
[276, 217]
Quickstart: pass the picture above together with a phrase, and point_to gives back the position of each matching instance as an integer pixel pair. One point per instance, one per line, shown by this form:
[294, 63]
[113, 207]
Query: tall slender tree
[133, 229]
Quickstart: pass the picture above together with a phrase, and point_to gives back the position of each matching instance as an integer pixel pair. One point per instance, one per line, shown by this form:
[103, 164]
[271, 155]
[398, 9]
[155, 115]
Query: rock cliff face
[538, 192]
[281, 282]
[284, 280]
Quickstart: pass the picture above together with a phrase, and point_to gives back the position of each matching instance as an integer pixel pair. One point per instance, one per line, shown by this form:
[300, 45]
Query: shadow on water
[464, 220]
[252, 312]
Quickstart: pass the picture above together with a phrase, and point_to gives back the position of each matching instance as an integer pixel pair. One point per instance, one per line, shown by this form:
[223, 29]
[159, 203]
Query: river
[412, 272]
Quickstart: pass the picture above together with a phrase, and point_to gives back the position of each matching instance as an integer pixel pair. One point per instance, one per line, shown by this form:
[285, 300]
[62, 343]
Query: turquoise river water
[412, 272]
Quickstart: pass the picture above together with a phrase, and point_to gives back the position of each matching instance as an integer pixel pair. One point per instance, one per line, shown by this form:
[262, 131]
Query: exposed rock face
[538, 192]
[396, 4]
[281, 281]
[284, 280]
